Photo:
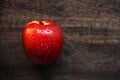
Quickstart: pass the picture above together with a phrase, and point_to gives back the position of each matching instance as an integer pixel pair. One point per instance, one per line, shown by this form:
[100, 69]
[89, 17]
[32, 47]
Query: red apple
[42, 41]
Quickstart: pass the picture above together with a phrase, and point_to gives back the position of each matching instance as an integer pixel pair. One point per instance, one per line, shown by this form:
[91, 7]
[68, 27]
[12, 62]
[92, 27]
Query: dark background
[92, 39]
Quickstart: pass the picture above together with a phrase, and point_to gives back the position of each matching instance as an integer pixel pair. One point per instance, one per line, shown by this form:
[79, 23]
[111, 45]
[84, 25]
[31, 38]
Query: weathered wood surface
[92, 39]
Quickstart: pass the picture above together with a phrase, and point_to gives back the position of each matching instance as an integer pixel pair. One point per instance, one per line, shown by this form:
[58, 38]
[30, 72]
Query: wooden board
[91, 46]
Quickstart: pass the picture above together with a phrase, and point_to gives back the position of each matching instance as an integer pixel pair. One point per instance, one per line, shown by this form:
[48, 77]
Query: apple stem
[41, 23]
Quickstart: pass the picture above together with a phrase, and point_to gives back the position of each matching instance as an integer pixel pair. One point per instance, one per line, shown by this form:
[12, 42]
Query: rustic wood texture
[92, 39]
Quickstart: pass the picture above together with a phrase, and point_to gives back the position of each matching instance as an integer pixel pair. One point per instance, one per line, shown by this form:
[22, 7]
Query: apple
[42, 41]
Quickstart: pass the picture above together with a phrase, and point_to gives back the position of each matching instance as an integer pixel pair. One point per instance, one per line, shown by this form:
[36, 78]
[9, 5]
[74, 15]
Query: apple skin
[42, 41]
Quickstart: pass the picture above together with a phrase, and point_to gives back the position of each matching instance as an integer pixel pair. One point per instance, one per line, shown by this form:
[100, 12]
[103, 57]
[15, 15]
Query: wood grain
[91, 48]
